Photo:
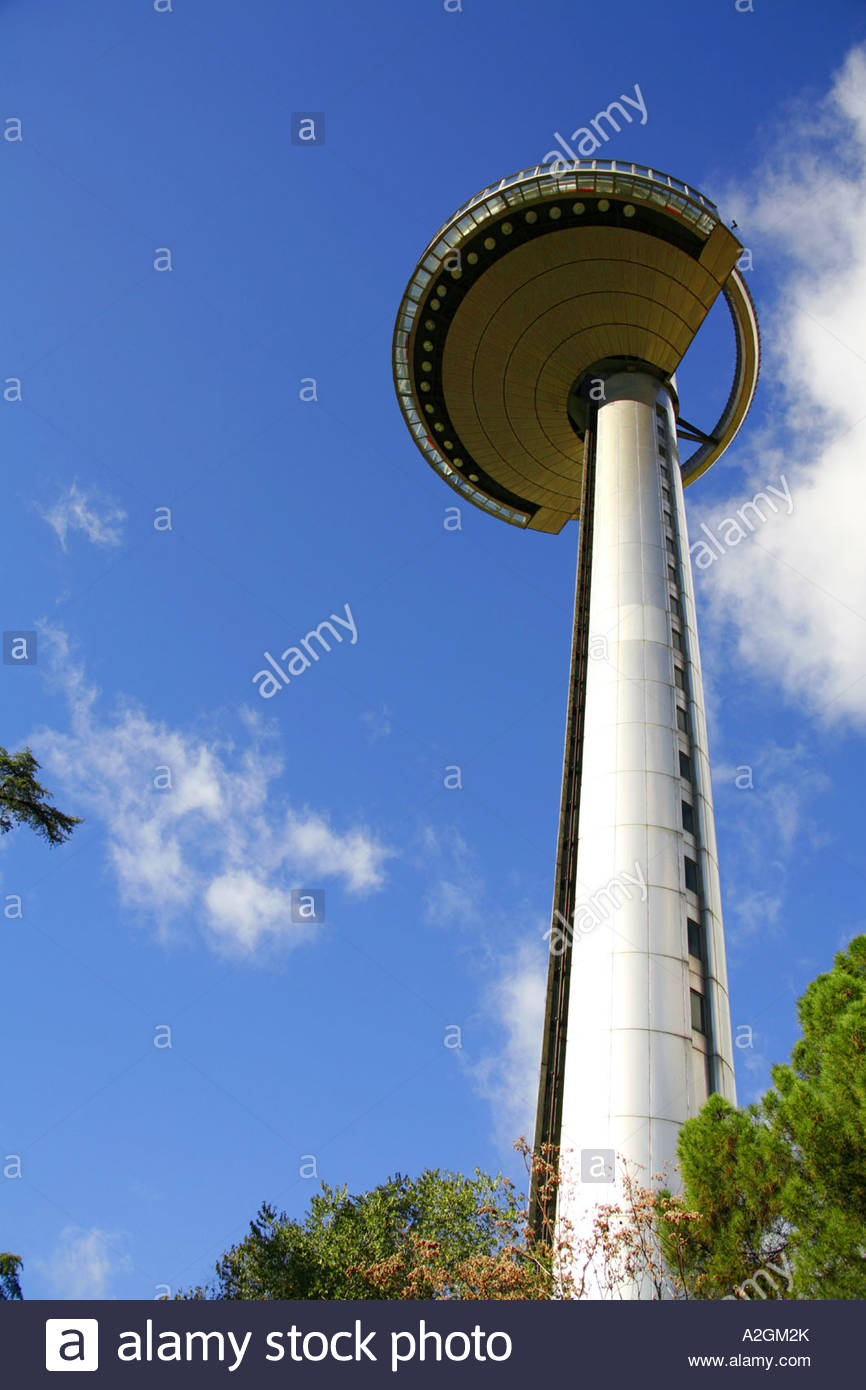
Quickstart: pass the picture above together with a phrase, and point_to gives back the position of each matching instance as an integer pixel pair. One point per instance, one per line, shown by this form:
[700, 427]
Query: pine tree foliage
[781, 1186]
[23, 801]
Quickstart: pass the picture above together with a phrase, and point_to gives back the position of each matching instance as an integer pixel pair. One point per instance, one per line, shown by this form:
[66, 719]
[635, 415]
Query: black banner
[197, 1344]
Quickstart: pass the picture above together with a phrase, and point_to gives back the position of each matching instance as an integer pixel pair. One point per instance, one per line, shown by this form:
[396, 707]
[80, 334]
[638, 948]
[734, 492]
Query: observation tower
[534, 358]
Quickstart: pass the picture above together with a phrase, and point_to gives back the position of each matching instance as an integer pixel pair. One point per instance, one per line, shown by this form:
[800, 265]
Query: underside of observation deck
[515, 300]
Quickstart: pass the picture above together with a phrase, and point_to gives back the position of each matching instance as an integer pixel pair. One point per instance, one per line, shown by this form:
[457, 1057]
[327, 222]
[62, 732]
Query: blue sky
[145, 389]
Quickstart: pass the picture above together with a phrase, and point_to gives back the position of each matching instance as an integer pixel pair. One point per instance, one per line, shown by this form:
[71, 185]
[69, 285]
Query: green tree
[781, 1186]
[24, 801]
[441, 1235]
[10, 1265]
[817, 1114]
[732, 1184]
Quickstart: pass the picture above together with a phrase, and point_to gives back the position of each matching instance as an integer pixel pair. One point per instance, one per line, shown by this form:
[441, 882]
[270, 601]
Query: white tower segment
[534, 358]
[648, 1022]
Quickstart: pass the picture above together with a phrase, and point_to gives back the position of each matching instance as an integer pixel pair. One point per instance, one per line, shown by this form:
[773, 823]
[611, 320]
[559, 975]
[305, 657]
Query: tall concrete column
[648, 1023]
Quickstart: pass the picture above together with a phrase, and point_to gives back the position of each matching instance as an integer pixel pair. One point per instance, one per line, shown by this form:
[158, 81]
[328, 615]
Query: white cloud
[84, 1262]
[509, 960]
[241, 907]
[769, 804]
[354, 856]
[513, 1002]
[456, 896]
[193, 826]
[776, 790]
[99, 519]
[793, 595]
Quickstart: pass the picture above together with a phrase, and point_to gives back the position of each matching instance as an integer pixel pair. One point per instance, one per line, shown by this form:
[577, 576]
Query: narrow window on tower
[677, 639]
[699, 1012]
[691, 874]
[688, 818]
[672, 573]
[685, 766]
[682, 720]
[676, 606]
[680, 677]
[696, 939]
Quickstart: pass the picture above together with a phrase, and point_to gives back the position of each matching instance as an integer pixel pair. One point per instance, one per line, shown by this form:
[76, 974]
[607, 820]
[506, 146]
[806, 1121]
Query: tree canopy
[10, 1266]
[781, 1186]
[441, 1235]
[23, 801]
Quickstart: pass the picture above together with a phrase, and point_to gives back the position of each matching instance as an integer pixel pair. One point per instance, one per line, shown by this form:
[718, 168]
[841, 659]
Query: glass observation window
[688, 818]
[696, 937]
[691, 874]
[699, 1013]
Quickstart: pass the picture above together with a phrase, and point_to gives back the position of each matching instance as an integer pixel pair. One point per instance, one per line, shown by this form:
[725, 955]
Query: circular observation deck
[529, 285]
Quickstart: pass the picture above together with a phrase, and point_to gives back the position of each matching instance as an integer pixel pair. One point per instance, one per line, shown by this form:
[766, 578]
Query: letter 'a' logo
[71, 1344]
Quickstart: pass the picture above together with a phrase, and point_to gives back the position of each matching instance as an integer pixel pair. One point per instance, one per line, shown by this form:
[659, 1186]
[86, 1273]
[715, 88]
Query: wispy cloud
[793, 596]
[194, 827]
[506, 952]
[377, 724]
[456, 894]
[84, 1262]
[98, 518]
[512, 1004]
[769, 806]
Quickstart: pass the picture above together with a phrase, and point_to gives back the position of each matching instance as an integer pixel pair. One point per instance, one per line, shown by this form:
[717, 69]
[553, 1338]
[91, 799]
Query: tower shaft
[637, 1028]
